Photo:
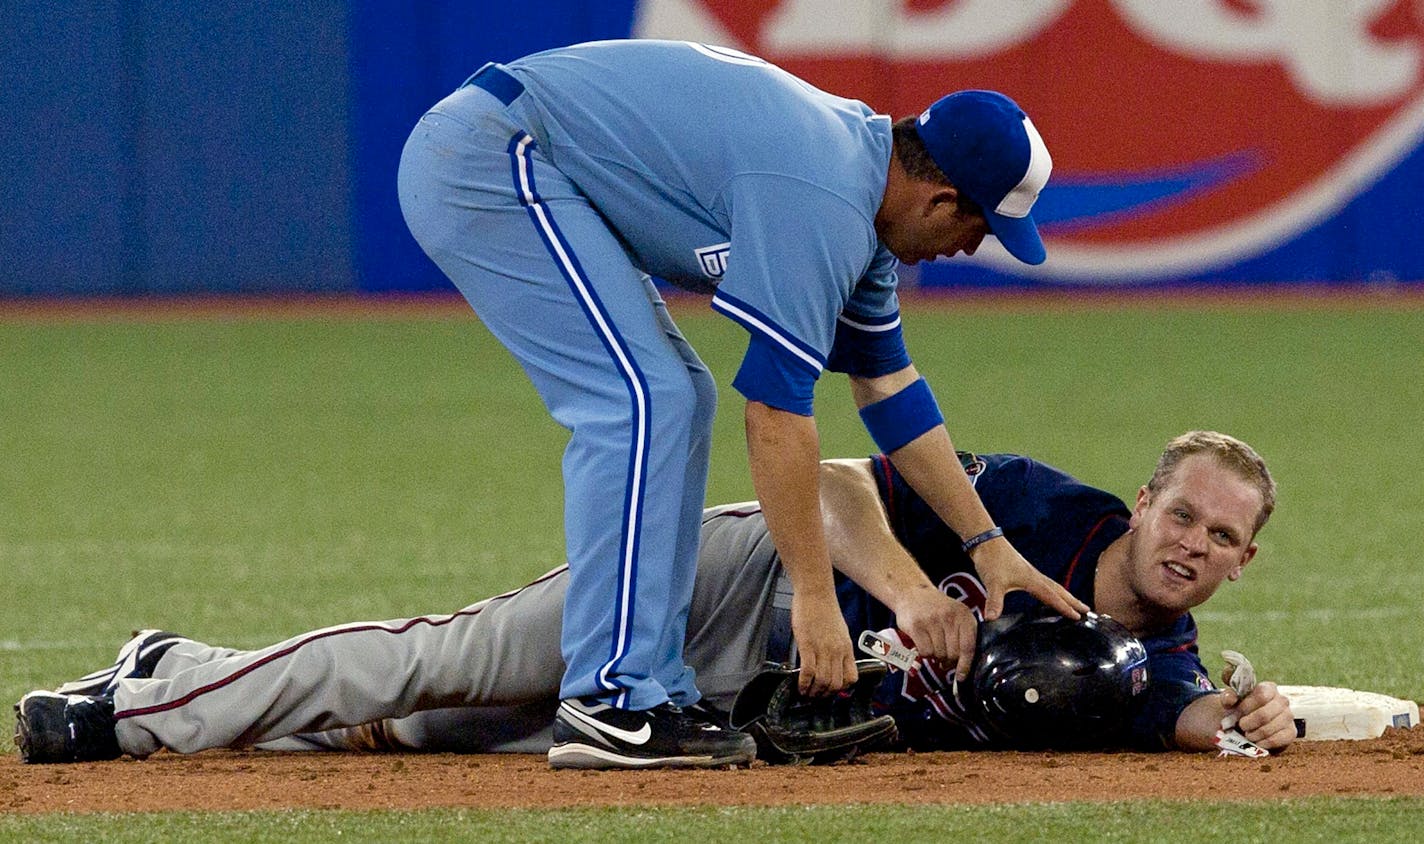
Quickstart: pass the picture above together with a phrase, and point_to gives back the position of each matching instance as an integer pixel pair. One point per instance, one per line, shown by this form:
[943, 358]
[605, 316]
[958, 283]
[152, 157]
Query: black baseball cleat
[137, 658]
[709, 714]
[592, 734]
[51, 727]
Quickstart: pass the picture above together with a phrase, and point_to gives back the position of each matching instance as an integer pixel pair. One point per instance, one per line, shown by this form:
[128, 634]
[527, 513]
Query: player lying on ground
[486, 678]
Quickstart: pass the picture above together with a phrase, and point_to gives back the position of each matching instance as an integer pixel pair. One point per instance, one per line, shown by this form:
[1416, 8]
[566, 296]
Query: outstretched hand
[1004, 570]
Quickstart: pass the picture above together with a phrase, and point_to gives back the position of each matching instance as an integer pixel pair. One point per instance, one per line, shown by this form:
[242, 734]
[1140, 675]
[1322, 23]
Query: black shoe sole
[575, 755]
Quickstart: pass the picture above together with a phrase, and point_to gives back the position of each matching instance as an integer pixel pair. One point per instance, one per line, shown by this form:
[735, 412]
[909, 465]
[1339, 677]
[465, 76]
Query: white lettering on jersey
[967, 590]
[713, 259]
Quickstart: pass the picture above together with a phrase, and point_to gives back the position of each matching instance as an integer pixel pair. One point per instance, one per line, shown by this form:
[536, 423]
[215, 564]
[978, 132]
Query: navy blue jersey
[1061, 526]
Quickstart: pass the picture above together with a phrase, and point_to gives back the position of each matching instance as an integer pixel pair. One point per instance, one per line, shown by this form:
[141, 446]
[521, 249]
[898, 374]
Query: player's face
[945, 223]
[1191, 534]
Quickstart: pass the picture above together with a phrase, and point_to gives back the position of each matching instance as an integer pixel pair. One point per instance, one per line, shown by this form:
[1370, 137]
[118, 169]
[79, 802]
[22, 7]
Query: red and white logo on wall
[1186, 134]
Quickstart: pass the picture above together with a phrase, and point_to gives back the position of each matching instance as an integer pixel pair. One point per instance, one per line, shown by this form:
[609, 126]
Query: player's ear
[941, 199]
[1246, 557]
[1144, 500]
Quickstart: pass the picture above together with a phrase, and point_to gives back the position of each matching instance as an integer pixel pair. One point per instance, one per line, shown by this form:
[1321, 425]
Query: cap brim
[1019, 235]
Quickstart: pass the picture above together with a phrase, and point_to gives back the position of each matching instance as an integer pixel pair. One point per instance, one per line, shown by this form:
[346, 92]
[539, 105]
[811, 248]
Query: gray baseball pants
[483, 679]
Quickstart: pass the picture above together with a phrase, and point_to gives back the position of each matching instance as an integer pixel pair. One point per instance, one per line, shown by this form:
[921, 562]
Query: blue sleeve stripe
[771, 376]
[753, 320]
[888, 322]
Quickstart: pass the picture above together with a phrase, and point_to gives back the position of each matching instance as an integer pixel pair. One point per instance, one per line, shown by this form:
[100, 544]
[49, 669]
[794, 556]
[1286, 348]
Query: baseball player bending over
[486, 678]
[548, 190]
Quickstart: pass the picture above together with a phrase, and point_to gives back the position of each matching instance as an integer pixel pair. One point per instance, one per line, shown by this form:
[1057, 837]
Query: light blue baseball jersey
[723, 173]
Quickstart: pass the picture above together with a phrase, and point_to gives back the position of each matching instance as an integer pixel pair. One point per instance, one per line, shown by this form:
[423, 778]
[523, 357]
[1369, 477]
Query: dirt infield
[1392, 765]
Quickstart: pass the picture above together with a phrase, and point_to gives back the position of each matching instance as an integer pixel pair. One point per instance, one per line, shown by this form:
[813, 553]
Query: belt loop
[470, 80]
[497, 81]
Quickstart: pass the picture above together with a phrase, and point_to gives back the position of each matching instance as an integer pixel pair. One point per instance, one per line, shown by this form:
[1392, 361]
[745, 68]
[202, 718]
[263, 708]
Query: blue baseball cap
[990, 150]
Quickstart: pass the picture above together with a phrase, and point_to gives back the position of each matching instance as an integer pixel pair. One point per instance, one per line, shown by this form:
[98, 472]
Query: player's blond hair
[1228, 451]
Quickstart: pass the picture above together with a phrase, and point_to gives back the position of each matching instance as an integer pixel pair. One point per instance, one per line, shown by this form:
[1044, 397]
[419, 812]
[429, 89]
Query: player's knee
[705, 388]
[677, 399]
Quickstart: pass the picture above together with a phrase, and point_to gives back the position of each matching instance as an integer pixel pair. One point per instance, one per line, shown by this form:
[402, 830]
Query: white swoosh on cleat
[641, 736]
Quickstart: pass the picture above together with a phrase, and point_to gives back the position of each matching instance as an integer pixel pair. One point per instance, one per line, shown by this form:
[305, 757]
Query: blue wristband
[898, 420]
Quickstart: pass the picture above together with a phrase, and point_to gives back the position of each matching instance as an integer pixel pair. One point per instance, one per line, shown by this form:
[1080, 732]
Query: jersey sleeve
[797, 252]
[868, 340]
[1047, 514]
[1176, 677]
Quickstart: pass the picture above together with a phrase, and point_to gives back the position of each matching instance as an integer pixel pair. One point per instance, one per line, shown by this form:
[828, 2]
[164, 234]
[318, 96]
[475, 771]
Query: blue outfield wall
[153, 147]
[67, 152]
[157, 147]
[404, 58]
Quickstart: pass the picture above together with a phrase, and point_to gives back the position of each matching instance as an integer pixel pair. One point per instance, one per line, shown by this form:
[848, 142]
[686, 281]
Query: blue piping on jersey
[603, 326]
[753, 320]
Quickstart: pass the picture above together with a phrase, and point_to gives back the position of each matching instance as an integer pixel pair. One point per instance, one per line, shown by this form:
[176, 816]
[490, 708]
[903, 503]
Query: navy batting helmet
[1046, 682]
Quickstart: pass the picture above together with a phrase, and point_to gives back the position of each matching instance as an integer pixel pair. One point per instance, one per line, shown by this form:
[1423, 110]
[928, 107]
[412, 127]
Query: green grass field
[243, 480]
[1324, 820]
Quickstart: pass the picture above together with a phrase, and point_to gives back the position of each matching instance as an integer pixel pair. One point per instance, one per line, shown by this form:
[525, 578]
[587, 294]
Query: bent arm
[861, 543]
[863, 547]
[929, 464]
[1265, 718]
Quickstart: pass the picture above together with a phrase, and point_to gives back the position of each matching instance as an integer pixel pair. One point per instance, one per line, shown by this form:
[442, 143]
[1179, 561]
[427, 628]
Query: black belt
[780, 644]
[497, 81]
